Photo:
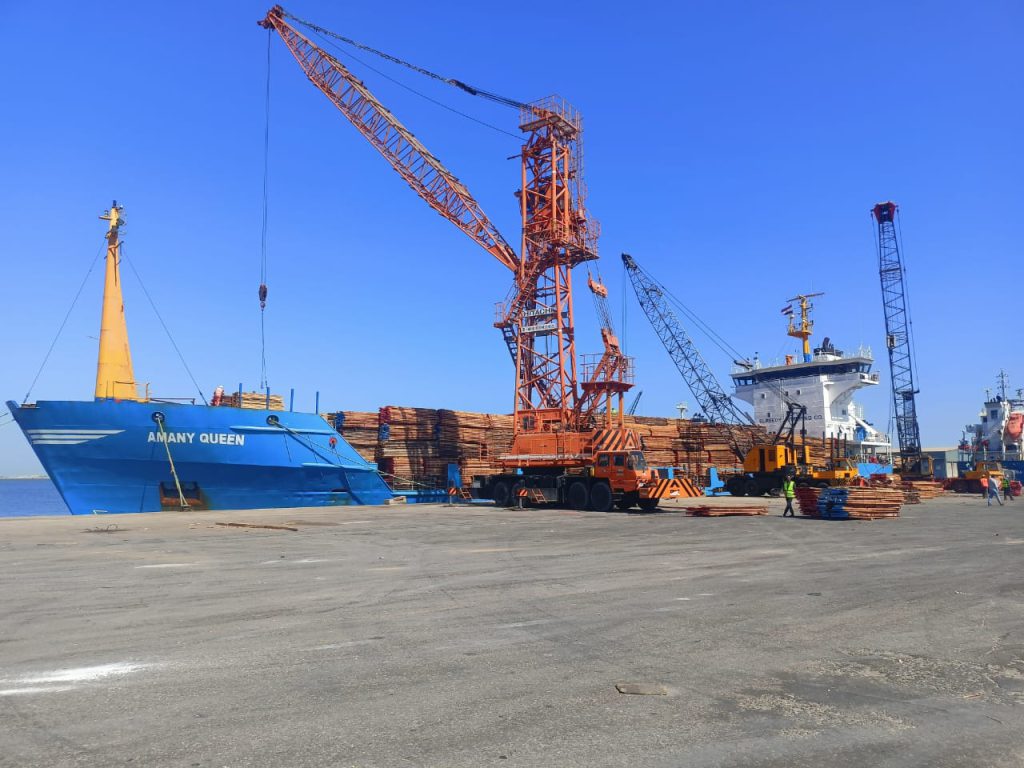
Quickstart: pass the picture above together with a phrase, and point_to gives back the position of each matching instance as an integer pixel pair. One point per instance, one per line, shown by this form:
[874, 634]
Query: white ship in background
[999, 433]
[823, 381]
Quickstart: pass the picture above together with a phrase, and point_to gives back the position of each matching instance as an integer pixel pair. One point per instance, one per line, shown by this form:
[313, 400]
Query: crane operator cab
[623, 469]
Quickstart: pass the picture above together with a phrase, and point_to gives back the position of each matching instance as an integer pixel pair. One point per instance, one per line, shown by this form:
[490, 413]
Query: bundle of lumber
[359, 428]
[860, 503]
[807, 500]
[735, 511]
[925, 489]
[255, 400]
[660, 437]
[417, 444]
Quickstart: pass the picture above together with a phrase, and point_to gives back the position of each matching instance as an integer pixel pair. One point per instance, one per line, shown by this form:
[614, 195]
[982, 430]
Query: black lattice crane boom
[898, 340]
[711, 397]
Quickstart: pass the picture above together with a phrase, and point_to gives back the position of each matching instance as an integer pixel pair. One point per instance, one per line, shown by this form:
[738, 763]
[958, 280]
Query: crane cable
[170, 336]
[63, 323]
[706, 329]
[263, 233]
[471, 90]
[412, 90]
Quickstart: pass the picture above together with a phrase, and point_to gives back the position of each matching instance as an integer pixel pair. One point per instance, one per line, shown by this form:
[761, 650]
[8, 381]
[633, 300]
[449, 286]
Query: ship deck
[441, 636]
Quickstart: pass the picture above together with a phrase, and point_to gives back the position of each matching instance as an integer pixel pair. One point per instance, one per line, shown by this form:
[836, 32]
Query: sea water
[21, 498]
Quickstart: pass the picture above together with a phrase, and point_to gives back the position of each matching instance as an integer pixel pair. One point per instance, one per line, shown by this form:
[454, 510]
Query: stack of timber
[694, 446]
[360, 429]
[925, 489]
[409, 447]
[914, 491]
[475, 440]
[807, 500]
[417, 444]
[734, 511]
[860, 503]
[254, 400]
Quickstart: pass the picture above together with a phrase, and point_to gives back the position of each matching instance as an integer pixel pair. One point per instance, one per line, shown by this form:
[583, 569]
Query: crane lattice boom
[897, 334]
[710, 396]
[424, 173]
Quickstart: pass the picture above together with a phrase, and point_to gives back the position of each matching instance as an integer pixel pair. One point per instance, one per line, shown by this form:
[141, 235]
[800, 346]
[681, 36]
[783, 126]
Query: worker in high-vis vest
[789, 490]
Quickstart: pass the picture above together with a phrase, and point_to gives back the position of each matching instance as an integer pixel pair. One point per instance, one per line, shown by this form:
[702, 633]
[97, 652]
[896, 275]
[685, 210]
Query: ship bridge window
[798, 391]
[993, 413]
[762, 395]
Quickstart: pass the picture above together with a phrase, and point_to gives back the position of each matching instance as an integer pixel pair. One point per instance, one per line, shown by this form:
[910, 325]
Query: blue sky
[733, 148]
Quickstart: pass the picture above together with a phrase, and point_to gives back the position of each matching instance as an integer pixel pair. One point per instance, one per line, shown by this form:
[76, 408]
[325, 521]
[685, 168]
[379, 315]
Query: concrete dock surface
[474, 636]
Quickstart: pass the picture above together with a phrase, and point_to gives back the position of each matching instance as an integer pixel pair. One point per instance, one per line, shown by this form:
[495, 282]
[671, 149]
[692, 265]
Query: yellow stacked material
[255, 400]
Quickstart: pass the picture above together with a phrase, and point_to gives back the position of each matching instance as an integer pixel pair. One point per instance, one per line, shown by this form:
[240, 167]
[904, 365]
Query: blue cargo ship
[125, 453]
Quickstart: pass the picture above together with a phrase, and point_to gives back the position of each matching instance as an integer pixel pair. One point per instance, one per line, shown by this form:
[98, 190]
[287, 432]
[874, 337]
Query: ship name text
[209, 438]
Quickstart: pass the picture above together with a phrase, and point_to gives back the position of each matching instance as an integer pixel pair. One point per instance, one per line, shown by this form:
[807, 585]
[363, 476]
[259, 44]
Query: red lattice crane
[557, 431]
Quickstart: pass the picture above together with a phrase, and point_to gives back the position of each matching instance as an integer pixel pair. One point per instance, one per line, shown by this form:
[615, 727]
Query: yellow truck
[970, 480]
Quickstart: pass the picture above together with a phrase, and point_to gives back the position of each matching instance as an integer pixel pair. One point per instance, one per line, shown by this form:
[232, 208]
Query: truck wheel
[649, 505]
[751, 488]
[735, 486]
[501, 494]
[959, 486]
[822, 485]
[601, 497]
[627, 501]
[578, 495]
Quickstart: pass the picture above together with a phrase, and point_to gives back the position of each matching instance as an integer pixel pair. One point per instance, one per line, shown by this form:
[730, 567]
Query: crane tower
[897, 337]
[564, 424]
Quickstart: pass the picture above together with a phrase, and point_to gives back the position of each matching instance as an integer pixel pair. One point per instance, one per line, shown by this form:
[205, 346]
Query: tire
[501, 493]
[752, 488]
[959, 486]
[578, 496]
[735, 486]
[601, 497]
[775, 492]
[649, 505]
[821, 485]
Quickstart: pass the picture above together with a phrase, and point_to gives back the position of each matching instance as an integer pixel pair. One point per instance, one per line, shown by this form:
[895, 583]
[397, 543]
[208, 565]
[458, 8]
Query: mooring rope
[174, 472]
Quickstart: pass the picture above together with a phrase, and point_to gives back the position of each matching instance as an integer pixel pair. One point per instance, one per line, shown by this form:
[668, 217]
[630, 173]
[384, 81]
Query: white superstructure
[824, 382]
[1000, 426]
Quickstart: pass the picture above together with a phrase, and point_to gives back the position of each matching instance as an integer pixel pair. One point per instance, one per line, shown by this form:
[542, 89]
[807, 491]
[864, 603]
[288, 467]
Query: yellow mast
[806, 326]
[114, 375]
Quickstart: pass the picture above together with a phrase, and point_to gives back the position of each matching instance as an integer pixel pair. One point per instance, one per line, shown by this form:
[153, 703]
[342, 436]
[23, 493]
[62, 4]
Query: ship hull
[108, 456]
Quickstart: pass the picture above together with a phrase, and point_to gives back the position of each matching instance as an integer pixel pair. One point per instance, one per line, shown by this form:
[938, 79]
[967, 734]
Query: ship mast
[806, 327]
[114, 375]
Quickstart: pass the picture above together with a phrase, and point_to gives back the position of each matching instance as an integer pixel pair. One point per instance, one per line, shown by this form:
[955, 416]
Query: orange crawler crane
[569, 446]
